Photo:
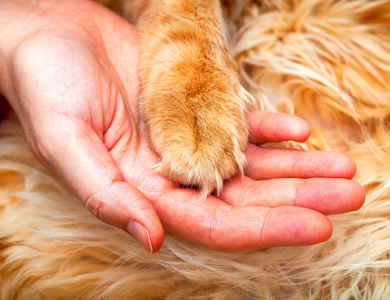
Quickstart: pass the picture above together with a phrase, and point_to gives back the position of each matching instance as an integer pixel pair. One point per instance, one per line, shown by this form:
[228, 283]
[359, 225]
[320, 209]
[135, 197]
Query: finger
[80, 158]
[268, 163]
[328, 196]
[276, 127]
[221, 227]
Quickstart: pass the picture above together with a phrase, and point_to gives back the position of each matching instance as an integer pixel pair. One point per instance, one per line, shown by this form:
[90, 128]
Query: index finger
[219, 226]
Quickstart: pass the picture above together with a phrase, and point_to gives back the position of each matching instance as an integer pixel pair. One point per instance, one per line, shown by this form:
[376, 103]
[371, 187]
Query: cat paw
[192, 102]
[199, 135]
[205, 157]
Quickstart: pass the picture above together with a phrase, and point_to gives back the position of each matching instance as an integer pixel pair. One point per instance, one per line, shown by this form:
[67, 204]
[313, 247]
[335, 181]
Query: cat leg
[191, 98]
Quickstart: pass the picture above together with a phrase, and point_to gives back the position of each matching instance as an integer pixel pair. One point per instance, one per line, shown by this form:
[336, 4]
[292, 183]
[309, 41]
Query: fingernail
[141, 234]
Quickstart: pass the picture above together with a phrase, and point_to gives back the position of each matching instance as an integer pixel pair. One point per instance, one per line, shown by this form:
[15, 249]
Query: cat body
[191, 98]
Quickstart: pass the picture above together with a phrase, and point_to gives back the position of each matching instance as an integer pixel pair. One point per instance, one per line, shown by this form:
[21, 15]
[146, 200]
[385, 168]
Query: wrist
[17, 20]
[23, 20]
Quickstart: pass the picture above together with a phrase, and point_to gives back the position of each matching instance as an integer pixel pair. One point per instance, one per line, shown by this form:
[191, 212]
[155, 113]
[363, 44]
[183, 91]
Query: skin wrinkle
[266, 219]
[242, 193]
[112, 94]
[251, 148]
[115, 135]
[219, 213]
[113, 112]
[295, 162]
[115, 93]
[118, 154]
[121, 92]
[258, 123]
[159, 199]
[112, 143]
[298, 192]
[260, 189]
[96, 207]
[136, 144]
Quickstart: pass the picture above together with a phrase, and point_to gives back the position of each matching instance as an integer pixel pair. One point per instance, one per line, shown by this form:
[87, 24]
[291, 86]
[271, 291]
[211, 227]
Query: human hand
[73, 84]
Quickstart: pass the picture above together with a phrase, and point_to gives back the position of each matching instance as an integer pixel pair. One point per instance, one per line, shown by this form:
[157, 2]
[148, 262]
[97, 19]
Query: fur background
[327, 61]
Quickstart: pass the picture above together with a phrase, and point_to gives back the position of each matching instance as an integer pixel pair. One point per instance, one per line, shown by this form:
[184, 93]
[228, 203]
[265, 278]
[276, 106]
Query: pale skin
[69, 70]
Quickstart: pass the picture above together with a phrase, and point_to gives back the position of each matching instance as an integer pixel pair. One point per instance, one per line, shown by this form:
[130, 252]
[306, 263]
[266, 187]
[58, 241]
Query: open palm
[75, 91]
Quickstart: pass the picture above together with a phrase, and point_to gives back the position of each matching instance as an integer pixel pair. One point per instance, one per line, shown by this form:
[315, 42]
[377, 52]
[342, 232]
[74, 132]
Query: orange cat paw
[204, 156]
[199, 130]
[192, 102]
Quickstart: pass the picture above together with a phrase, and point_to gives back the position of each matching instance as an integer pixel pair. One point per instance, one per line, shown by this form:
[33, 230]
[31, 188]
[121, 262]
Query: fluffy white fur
[326, 61]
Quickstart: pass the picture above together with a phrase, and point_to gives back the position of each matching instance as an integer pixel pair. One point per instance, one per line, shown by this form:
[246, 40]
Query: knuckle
[94, 204]
[264, 229]
[95, 201]
[218, 217]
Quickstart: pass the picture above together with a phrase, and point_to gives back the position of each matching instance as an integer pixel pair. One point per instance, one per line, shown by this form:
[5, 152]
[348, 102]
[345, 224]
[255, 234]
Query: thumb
[78, 156]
